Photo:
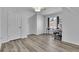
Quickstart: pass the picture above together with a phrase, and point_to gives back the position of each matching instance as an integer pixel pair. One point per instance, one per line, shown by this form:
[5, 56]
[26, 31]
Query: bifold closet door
[14, 28]
[4, 28]
[19, 25]
[25, 25]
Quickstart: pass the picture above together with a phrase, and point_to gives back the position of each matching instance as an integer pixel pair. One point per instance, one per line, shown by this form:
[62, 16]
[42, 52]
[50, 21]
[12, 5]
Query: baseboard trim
[70, 43]
[7, 40]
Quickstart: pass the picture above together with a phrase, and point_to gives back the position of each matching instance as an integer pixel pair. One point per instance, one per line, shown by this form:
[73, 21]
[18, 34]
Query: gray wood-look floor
[38, 43]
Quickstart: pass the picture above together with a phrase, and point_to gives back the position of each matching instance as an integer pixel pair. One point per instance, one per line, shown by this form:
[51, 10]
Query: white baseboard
[38, 33]
[71, 42]
[10, 39]
[24, 36]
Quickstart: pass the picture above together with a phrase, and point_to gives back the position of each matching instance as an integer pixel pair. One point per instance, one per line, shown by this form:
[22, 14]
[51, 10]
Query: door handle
[20, 26]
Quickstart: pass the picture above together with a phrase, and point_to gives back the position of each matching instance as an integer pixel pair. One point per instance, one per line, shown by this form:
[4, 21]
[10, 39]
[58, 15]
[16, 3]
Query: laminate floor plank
[38, 43]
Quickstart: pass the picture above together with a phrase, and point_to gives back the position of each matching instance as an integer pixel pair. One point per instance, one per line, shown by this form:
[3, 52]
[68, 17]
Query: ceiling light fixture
[37, 9]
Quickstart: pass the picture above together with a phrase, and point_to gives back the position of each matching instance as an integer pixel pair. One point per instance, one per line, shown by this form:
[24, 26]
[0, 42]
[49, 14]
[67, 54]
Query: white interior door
[13, 26]
[25, 25]
[19, 24]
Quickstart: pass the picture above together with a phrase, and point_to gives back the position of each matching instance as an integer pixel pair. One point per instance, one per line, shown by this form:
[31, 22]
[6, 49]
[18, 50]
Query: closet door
[19, 24]
[12, 26]
[4, 28]
[25, 25]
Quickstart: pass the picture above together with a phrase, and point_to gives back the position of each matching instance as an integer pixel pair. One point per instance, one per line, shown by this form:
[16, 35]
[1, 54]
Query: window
[52, 22]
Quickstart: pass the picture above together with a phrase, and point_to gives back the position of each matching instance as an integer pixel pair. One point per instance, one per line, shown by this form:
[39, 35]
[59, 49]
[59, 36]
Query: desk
[58, 35]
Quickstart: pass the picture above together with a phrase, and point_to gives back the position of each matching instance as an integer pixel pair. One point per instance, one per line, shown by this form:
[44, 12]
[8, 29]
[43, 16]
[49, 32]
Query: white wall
[14, 23]
[40, 23]
[18, 23]
[36, 24]
[45, 24]
[70, 25]
[70, 19]
[70, 22]
[25, 16]
[0, 23]
[0, 28]
[4, 28]
[51, 10]
[33, 24]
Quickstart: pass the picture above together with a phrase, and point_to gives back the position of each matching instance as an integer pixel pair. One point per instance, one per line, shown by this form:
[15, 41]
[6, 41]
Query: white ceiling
[47, 10]
[44, 10]
[51, 10]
